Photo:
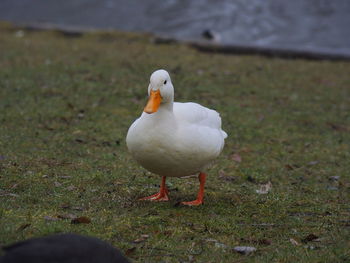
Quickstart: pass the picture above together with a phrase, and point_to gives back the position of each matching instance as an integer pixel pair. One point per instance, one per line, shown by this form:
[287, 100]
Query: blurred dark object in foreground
[62, 248]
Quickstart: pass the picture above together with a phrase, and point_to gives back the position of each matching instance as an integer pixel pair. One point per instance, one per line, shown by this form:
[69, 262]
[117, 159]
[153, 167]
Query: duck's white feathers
[176, 142]
[196, 114]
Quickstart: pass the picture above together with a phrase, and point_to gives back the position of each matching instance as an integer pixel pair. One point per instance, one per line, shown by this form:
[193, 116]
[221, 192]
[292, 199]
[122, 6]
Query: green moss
[67, 102]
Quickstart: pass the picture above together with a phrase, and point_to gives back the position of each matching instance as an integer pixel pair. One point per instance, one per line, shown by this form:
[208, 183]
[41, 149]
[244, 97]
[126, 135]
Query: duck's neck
[167, 106]
[164, 112]
[164, 117]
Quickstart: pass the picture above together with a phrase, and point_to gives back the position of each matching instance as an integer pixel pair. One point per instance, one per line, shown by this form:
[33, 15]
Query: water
[309, 26]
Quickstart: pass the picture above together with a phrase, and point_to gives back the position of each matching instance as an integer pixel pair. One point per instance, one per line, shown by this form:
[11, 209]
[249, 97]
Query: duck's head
[160, 91]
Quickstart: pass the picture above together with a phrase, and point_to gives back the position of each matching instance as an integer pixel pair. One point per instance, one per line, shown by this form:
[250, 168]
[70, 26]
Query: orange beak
[153, 102]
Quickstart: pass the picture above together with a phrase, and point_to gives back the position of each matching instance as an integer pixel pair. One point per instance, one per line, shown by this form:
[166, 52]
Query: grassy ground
[66, 105]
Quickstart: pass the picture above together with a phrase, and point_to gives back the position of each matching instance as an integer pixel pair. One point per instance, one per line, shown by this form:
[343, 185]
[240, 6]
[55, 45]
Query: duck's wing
[196, 114]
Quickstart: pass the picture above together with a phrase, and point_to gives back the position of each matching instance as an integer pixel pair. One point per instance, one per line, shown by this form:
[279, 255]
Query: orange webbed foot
[200, 196]
[162, 196]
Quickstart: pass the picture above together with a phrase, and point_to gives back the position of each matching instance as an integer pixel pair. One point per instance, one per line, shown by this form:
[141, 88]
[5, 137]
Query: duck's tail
[224, 134]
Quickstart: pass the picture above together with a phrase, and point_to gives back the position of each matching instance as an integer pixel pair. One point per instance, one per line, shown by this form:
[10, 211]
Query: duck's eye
[164, 82]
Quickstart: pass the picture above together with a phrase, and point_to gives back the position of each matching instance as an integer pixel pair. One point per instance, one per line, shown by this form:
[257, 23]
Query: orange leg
[161, 196]
[200, 196]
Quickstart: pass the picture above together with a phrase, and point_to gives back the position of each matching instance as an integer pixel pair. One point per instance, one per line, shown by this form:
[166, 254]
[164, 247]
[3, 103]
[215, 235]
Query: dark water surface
[314, 26]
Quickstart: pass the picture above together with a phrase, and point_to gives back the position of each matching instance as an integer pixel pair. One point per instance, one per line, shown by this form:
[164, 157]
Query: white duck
[174, 139]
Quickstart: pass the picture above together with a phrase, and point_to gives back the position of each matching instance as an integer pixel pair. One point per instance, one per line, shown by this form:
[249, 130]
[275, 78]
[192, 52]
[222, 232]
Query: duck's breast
[151, 140]
[179, 144]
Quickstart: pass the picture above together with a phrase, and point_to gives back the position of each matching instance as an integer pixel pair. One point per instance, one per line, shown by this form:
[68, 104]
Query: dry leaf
[81, 220]
[245, 150]
[141, 239]
[79, 140]
[310, 237]
[292, 166]
[264, 188]
[338, 127]
[289, 167]
[130, 251]
[263, 241]
[294, 242]
[236, 157]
